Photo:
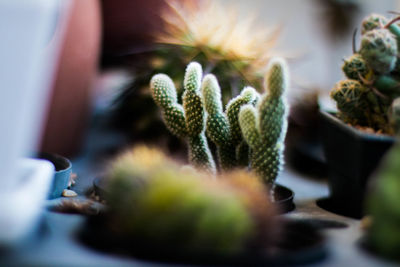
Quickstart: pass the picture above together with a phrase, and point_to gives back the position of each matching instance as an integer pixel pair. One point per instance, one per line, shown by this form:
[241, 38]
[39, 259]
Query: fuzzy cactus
[223, 127]
[379, 50]
[159, 203]
[264, 126]
[186, 120]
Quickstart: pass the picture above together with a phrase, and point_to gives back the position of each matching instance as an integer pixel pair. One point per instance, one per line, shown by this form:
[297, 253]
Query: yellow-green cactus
[187, 120]
[152, 199]
[223, 128]
[264, 126]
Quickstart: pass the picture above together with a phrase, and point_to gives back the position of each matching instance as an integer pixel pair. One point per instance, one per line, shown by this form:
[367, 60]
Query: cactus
[379, 50]
[264, 126]
[373, 75]
[383, 205]
[159, 203]
[372, 22]
[223, 128]
[355, 67]
[187, 120]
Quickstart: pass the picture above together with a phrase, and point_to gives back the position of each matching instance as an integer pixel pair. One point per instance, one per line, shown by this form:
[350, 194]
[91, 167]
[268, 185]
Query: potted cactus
[250, 132]
[357, 136]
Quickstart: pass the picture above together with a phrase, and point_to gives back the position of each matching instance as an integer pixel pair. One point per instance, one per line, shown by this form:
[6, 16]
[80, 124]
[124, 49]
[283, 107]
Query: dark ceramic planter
[62, 173]
[352, 156]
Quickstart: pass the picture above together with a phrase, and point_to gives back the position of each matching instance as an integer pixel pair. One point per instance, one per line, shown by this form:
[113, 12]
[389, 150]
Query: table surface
[57, 245]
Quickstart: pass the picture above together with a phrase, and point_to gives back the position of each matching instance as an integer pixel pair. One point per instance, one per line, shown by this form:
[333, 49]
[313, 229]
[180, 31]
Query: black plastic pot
[352, 156]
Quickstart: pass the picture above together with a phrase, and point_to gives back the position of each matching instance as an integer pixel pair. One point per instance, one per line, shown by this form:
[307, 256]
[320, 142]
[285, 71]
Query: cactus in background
[264, 126]
[373, 72]
[379, 50]
[157, 202]
[356, 68]
[223, 128]
[187, 120]
[372, 22]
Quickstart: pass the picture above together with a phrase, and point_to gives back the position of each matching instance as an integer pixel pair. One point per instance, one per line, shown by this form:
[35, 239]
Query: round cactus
[379, 50]
[350, 100]
[355, 67]
[372, 22]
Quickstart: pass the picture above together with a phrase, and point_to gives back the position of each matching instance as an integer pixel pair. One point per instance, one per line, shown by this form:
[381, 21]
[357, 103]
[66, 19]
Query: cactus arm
[247, 96]
[218, 129]
[249, 125]
[200, 155]
[164, 94]
[273, 107]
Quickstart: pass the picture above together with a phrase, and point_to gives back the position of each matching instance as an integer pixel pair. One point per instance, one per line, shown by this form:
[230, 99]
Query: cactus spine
[264, 126]
[223, 128]
[187, 120]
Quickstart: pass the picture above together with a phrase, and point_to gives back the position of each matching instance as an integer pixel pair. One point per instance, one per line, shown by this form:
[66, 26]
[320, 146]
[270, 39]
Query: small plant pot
[352, 156]
[62, 173]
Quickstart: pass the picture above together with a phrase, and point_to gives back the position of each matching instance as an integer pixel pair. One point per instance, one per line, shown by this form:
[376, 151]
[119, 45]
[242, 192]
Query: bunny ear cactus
[187, 120]
[223, 128]
[264, 126]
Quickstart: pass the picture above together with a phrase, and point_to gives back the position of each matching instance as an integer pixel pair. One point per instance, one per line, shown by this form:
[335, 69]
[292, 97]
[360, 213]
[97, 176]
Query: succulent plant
[383, 206]
[187, 120]
[158, 202]
[264, 126]
[379, 50]
[372, 22]
[223, 128]
[373, 75]
[356, 68]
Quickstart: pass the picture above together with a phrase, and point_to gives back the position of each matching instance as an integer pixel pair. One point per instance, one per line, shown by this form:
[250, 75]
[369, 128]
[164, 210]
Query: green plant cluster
[366, 97]
[227, 128]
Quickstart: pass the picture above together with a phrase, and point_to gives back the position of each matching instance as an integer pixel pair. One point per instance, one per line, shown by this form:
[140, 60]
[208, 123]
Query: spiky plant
[264, 126]
[158, 203]
[186, 120]
[223, 127]
[373, 73]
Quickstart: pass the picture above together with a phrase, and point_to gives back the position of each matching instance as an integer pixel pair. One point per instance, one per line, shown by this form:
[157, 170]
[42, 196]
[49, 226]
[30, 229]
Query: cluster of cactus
[366, 98]
[383, 206]
[153, 200]
[263, 133]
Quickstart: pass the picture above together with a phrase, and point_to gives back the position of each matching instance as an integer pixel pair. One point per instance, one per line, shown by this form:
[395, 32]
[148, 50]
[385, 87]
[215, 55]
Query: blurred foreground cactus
[264, 126]
[373, 73]
[154, 201]
[383, 206]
